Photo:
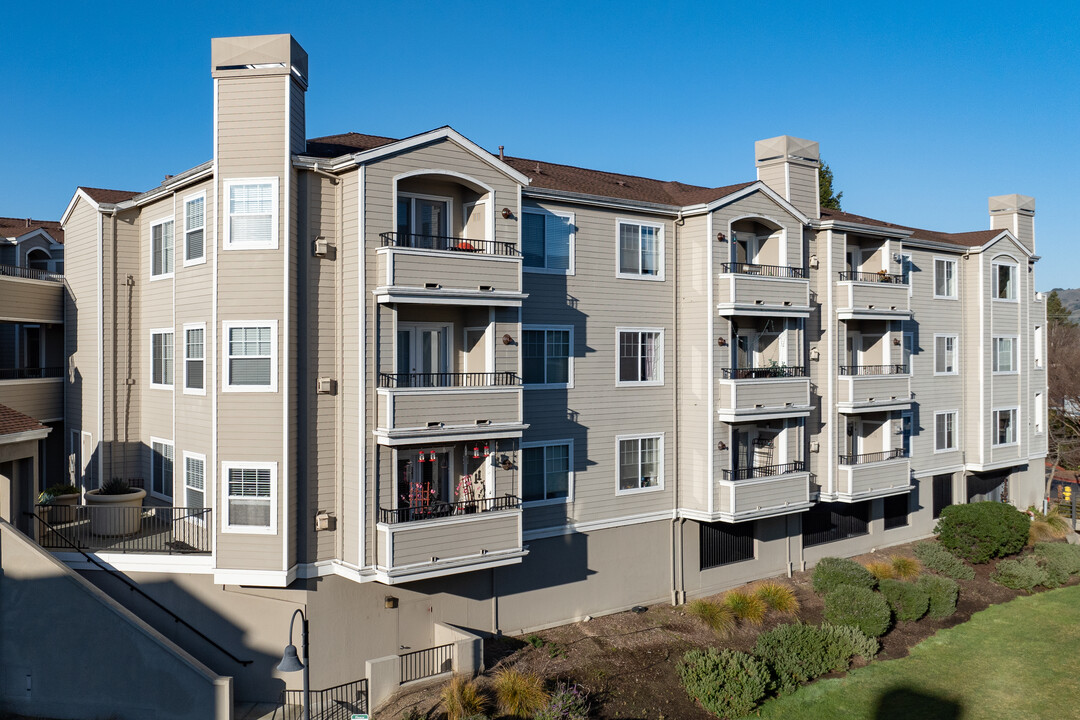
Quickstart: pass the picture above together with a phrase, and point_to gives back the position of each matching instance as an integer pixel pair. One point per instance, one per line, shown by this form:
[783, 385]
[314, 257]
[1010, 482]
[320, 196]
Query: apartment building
[412, 384]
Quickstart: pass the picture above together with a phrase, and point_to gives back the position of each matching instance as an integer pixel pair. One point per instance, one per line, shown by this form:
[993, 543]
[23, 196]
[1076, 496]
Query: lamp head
[289, 660]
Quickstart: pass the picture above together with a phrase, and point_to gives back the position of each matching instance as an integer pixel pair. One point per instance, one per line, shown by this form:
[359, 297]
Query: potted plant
[119, 508]
[59, 502]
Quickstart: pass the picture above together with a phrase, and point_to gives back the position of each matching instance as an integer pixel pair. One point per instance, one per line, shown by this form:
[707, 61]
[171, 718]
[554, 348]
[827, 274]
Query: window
[907, 352]
[250, 357]
[161, 249]
[547, 240]
[195, 359]
[546, 357]
[1037, 350]
[945, 354]
[546, 474]
[1004, 279]
[252, 214]
[724, 544]
[944, 278]
[1039, 412]
[423, 217]
[161, 468]
[194, 481]
[641, 250]
[945, 430]
[828, 522]
[161, 358]
[640, 463]
[1005, 355]
[896, 511]
[195, 230]
[641, 357]
[943, 492]
[1004, 428]
[250, 497]
[906, 266]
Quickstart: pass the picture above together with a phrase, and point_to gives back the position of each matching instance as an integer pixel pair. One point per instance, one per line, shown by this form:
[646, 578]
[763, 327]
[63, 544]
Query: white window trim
[224, 485]
[1015, 282]
[661, 250]
[412, 210]
[187, 199]
[273, 243]
[193, 326]
[162, 276]
[204, 491]
[226, 386]
[1016, 426]
[1015, 354]
[1037, 346]
[1038, 412]
[162, 331]
[570, 480]
[570, 367]
[150, 490]
[660, 366]
[572, 249]
[956, 278]
[956, 353]
[639, 436]
[956, 431]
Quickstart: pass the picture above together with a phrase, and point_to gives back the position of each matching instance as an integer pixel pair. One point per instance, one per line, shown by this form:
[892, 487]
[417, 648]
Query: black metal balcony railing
[340, 702]
[449, 380]
[776, 271]
[440, 509]
[29, 273]
[30, 373]
[421, 664]
[149, 530]
[764, 471]
[866, 458]
[752, 373]
[873, 277]
[445, 242]
[873, 369]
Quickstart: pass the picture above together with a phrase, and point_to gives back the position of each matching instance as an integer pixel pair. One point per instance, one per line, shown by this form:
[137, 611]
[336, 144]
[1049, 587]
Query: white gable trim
[80, 194]
[1005, 235]
[758, 186]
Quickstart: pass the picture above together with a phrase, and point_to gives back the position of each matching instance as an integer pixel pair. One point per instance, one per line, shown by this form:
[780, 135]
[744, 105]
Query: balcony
[420, 407]
[31, 296]
[873, 388]
[37, 392]
[128, 530]
[421, 268]
[746, 394]
[764, 491]
[770, 290]
[448, 538]
[872, 475]
[873, 295]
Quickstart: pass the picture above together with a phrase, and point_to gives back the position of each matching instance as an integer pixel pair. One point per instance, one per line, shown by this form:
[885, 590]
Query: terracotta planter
[112, 515]
[61, 509]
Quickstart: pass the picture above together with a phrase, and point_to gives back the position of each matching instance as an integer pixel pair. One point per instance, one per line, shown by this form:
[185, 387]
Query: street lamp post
[291, 663]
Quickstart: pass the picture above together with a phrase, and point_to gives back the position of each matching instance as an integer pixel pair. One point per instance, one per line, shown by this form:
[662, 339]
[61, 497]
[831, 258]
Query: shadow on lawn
[903, 703]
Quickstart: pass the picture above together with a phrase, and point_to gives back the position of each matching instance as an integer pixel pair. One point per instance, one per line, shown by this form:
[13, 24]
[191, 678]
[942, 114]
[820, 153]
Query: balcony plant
[58, 502]
[118, 508]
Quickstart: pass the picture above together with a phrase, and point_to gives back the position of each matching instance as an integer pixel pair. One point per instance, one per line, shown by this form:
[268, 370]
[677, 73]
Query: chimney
[789, 165]
[1015, 213]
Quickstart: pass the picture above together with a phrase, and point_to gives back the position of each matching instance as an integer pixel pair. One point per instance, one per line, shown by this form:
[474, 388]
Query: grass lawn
[1010, 661]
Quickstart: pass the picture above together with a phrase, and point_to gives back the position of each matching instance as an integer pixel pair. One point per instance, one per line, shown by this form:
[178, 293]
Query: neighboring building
[415, 384]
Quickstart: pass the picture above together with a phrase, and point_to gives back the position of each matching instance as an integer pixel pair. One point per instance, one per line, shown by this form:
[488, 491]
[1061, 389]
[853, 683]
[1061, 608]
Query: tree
[1056, 312]
[1063, 381]
[825, 188]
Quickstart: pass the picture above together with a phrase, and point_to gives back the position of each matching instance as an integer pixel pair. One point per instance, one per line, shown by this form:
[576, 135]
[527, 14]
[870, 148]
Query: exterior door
[424, 482]
[422, 355]
[854, 429]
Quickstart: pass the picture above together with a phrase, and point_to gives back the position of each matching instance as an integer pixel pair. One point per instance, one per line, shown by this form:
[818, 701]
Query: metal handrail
[866, 458]
[455, 380]
[776, 371]
[30, 373]
[764, 471]
[873, 277]
[440, 509]
[340, 702]
[448, 242]
[420, 664]
[776, 271]
[29, 273]
[148, 529]
[898, 369]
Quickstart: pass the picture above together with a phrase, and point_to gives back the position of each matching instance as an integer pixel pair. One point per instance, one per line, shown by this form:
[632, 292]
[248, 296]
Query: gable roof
[101, 195]
[964, 239]
[17, 227]
[13, 422]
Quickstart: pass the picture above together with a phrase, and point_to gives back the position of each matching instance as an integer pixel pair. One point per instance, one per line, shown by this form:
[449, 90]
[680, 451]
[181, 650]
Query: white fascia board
[1005, 235]
[600, 201]
[861, 229]
[25, 435]
[758, 186]
[176, 182]
[80, 194]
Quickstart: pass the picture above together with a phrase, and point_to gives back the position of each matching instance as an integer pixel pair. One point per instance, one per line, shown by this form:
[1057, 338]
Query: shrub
[718, 617]
[746, 606]
[461, 698]
[936, 558]
[852, 640]
[1066, 557]
[942, 591]
[567, 702]
[859, 607]
[1046, 526]
[907, 600]
[881, 569]
[518, 694]
[1023, 574]
[727, 683]
[832, 572]
[980, 531]
[778, 597]
[905, 568]
[798, 653]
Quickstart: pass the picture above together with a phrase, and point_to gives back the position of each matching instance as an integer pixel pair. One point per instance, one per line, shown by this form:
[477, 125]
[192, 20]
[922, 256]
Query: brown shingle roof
[13, 421]
[338, 145]
[102, 195]
[16, 227]
[965, 239]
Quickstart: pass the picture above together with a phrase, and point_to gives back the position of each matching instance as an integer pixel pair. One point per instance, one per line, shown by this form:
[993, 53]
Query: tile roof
[16, 227]
[965, 239]
[13, 421]
[102, 195]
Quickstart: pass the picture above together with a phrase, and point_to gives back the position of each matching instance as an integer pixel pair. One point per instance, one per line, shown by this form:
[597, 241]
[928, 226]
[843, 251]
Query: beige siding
[451, 271]
[419, 542]
[40, 399]
[749, 394]
[874, 477]
[863, 388]
[31, 300]
[752, 495]
[875, 296]
[454, 407]
[753, 291]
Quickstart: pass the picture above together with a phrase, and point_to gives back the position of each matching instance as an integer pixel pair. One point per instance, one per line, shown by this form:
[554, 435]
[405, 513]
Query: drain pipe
[678, 592]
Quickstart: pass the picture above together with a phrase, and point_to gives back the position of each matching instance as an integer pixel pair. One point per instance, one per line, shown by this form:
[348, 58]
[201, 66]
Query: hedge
[860, 608]
[980, 531]
[727, 683]
[832, 572]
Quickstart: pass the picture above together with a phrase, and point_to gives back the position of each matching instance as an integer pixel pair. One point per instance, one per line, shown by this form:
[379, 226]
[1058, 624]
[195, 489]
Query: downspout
[115, 409]
[678, 593]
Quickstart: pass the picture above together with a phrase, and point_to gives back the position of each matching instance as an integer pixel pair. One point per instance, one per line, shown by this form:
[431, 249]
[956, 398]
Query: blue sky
[923, 110]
